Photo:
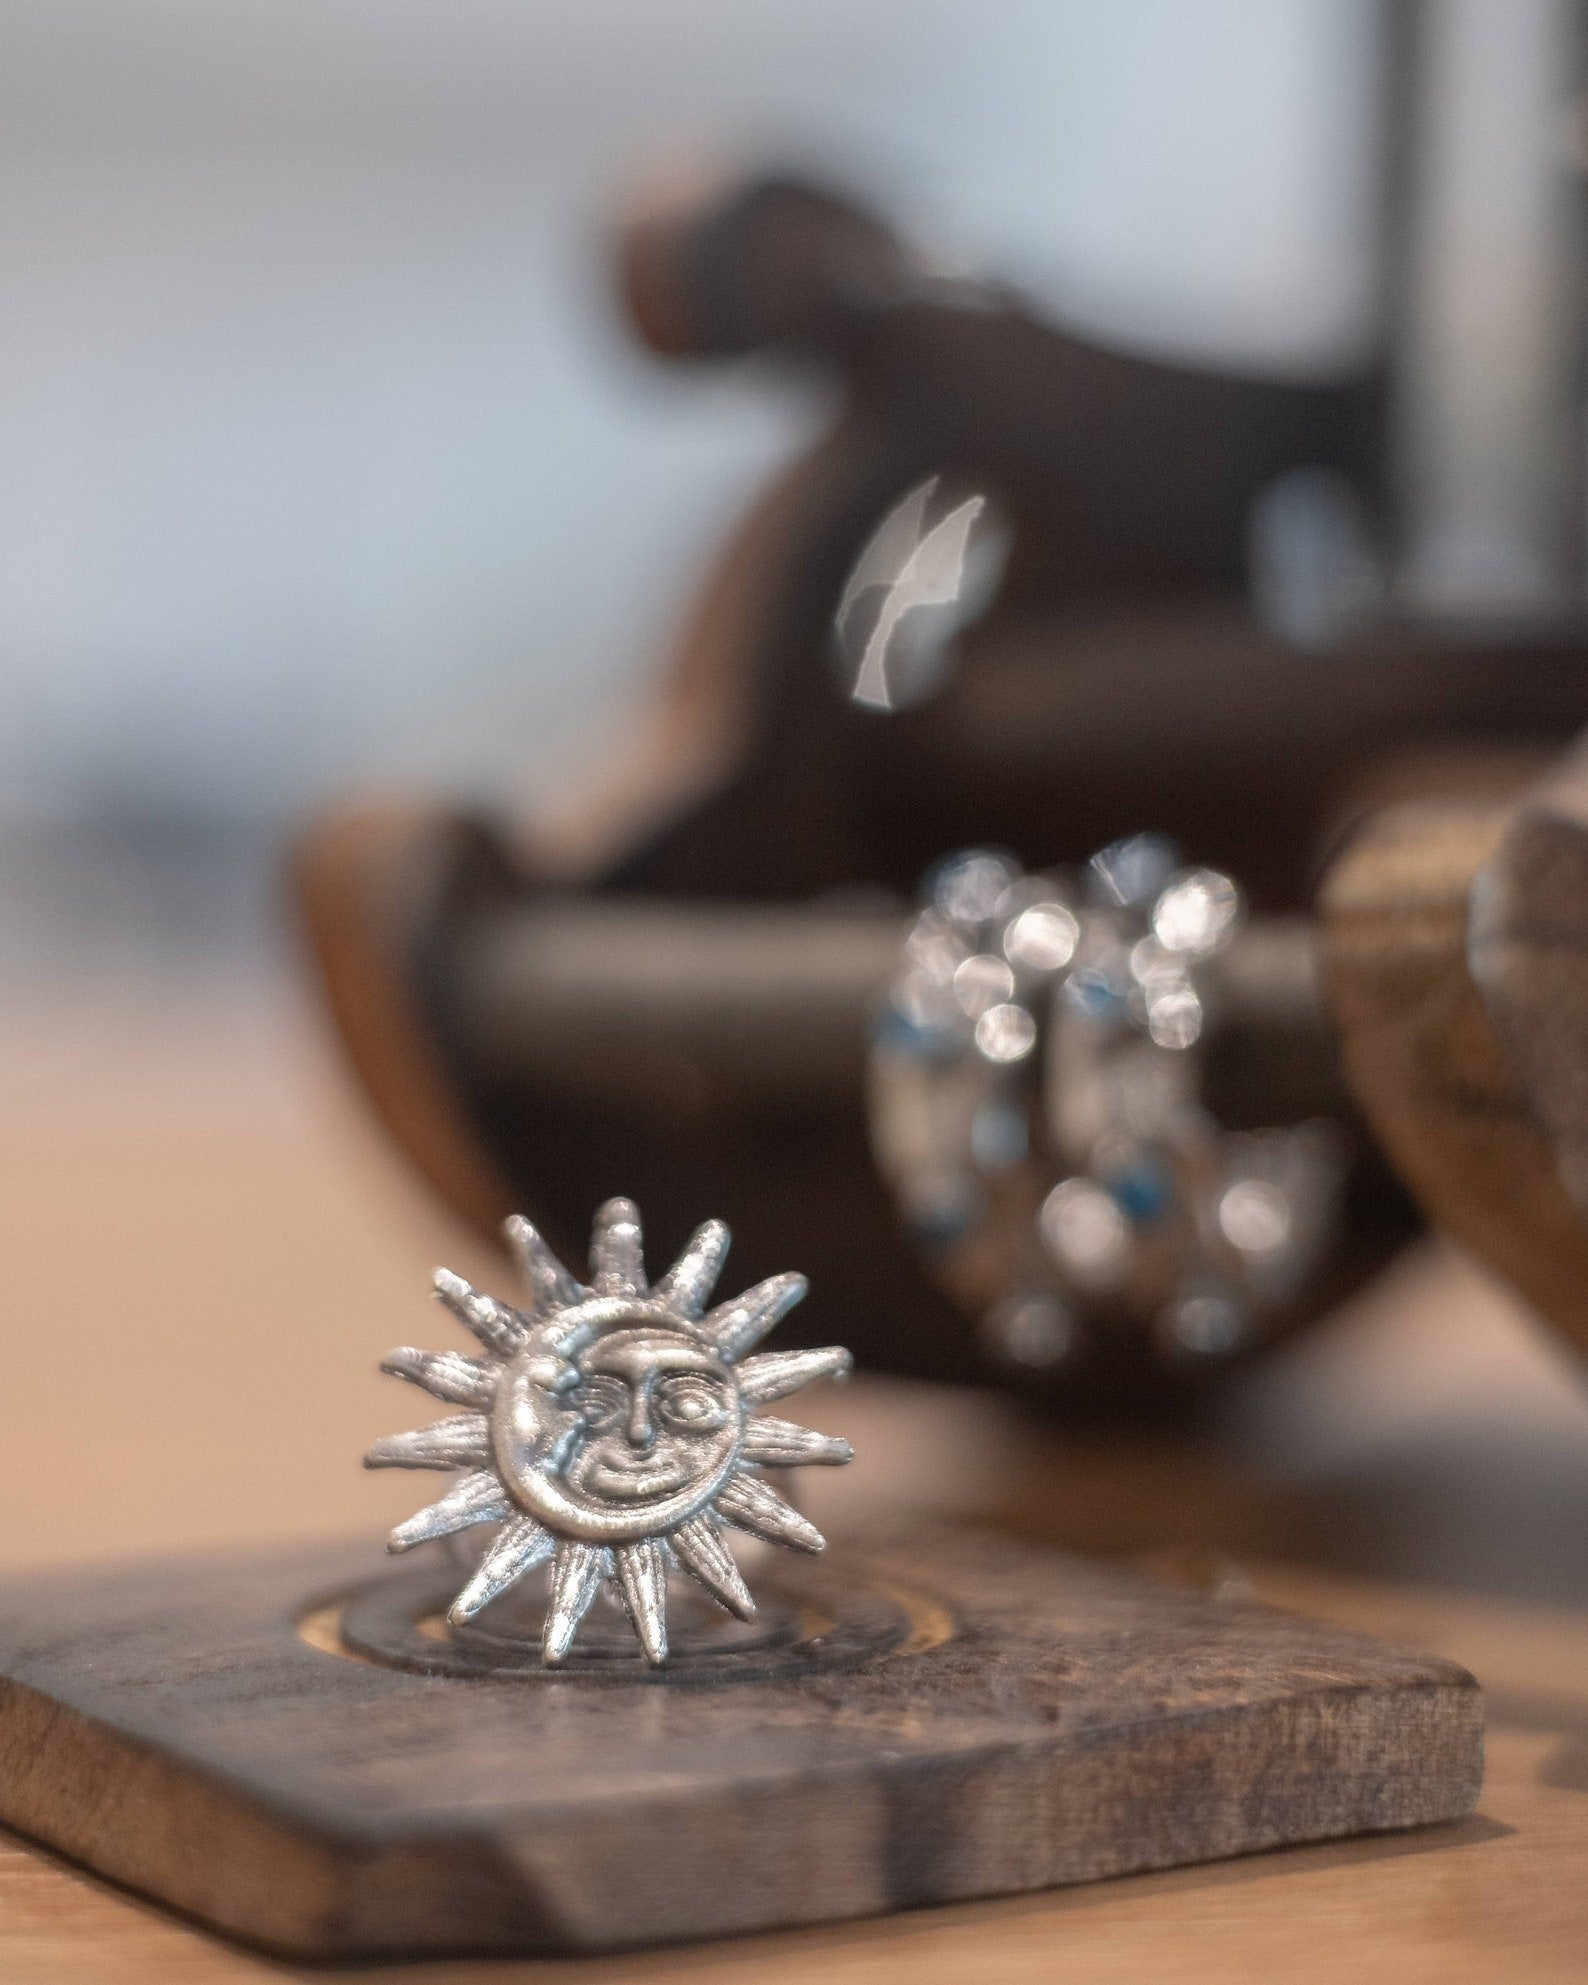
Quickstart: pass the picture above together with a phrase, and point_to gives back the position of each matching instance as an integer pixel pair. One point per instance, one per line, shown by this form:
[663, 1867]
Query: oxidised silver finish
[609, 1429]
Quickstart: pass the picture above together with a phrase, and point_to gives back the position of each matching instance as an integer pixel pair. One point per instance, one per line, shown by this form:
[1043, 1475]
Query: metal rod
[738, 1008]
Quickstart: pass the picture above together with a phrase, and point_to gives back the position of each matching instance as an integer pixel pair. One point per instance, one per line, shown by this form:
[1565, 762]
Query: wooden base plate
[290, 1748]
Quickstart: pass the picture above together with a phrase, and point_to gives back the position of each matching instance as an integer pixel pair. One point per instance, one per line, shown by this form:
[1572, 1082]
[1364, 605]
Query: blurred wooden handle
[1456, 948]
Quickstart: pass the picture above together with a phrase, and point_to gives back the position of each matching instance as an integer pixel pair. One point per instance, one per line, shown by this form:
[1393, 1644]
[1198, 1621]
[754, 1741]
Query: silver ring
[608, 1431]
[1035, 1103]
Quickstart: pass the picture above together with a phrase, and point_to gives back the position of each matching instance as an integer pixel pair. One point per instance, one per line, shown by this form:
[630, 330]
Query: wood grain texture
[170, 1726]
[1430, 1049]
[1527, 947]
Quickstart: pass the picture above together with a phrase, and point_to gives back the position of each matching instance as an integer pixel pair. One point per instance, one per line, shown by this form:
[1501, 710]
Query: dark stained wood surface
[1043, 1720]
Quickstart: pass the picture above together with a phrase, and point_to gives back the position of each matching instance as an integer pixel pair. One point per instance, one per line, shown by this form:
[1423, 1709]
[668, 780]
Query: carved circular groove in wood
[809, 1622]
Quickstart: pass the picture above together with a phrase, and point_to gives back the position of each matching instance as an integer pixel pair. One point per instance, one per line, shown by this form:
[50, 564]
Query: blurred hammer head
[714, 266]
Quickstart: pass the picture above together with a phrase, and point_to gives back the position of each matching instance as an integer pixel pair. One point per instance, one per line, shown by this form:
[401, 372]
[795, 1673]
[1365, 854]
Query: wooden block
[952, 1715]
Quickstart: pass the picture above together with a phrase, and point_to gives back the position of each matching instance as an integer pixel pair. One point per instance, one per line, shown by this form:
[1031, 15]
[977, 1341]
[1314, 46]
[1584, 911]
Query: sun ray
[687, 1285]
[642, 1580]
[461, 1442]
[737, 1326]
[445, 1375]
[476, 1499]
[775, 1374]
[576, 1575]
[617, 1250]
[553, 1287]
[748, 1504]
[699, 1548]
[501, 1329]
[521, 1547]
[781, 1444]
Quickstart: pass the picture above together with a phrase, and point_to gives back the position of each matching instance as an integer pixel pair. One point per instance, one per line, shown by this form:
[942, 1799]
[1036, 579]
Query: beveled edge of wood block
[305, 1882]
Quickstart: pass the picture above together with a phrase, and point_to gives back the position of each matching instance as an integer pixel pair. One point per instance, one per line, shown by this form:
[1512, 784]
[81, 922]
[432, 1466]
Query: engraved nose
[640, 1431]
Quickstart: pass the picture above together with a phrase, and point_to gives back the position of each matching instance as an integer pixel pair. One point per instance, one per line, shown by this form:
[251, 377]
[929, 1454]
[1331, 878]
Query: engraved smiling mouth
[628, 1472]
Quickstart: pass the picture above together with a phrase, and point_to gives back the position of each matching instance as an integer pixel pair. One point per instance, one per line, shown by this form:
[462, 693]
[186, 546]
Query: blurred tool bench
[673, 979]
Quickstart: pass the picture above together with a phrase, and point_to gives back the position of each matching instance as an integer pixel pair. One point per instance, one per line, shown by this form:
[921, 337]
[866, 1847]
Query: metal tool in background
[507, 1034]
[1008, 598]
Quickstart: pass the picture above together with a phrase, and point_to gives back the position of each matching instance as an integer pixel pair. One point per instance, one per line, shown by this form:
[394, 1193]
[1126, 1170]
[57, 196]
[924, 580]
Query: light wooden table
[205, 1256]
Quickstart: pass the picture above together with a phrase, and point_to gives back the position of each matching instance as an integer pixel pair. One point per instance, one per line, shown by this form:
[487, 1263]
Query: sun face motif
[609, 1429]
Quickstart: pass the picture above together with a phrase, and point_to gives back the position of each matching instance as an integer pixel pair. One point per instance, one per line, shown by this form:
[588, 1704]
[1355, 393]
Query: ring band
[1035, 1102]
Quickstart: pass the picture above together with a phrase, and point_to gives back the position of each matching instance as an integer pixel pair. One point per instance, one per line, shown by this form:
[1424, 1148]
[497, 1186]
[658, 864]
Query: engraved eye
[692, 1404]
[602, 1401]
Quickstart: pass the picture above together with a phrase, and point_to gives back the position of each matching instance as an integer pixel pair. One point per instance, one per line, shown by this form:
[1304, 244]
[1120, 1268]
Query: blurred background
[330, 456]
[330, 463]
